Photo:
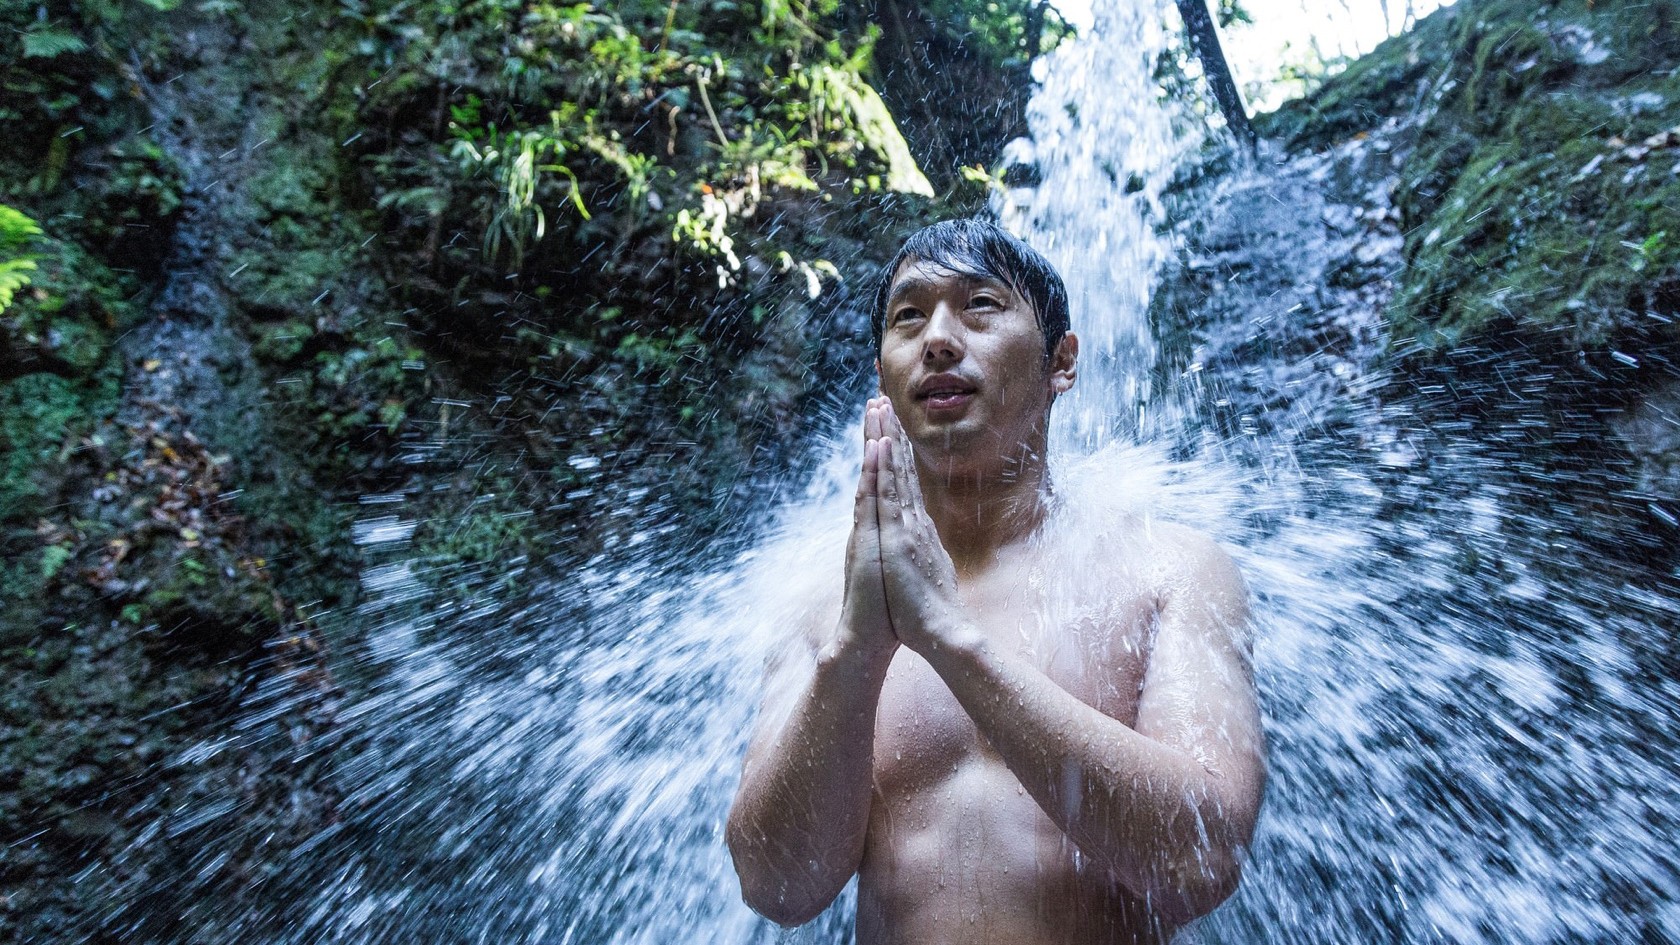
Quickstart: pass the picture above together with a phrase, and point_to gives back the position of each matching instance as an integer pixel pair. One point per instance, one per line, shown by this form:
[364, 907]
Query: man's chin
[956, 445]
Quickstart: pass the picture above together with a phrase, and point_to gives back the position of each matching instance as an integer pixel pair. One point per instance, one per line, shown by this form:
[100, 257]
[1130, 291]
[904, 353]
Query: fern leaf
[16, 230]
[14, 275]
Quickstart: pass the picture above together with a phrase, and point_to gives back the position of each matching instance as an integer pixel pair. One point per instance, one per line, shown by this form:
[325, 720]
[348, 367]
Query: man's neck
[981, 511]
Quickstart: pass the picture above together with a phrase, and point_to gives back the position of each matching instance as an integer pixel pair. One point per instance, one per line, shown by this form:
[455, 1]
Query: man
[1015, 721]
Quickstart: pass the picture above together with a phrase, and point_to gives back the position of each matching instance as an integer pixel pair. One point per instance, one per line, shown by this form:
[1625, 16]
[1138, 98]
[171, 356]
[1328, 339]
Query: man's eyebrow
[905, 285]
[908, 284]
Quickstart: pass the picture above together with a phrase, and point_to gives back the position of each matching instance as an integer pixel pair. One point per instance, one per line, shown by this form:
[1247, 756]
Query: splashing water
[1457, 754]
[1103, 148]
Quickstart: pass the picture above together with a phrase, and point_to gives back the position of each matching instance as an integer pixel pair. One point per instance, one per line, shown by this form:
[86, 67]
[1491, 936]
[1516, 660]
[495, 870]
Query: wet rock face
[1539, 193]
[1530, 287]
[1651, 432]
[1282, 274]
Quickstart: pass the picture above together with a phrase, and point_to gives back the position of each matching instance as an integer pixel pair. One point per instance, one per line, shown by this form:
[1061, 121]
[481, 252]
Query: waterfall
[1457, 754]
[1460, 752]
[1102, 147]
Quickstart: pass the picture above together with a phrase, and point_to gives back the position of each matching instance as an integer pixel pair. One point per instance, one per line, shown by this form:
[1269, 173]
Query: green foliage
[1003, 32]
[840, 101]
[487, 531]
[53, 560]
[63, 64]
[16, 232]
[39, 413]
[586, 141]
[65, 319]
[518, 161]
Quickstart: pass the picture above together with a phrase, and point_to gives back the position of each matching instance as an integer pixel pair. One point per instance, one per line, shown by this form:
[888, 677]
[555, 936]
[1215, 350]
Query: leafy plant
[16, 233]
[618, 158]
[1003, 31]
[517, 161]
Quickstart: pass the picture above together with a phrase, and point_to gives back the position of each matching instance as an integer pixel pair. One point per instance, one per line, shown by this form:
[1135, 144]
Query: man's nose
[942, 340]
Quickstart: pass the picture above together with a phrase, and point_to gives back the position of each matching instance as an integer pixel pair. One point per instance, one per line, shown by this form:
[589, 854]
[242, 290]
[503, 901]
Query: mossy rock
[39, 415]
[1542, 195]
[64, 320]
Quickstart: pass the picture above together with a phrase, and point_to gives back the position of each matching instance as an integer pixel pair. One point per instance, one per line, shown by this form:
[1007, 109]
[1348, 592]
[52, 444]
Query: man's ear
[1064, 365]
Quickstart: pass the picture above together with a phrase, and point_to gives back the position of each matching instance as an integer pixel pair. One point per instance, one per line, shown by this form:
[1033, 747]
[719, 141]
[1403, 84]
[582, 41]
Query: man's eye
[904, 314]
[984, 301]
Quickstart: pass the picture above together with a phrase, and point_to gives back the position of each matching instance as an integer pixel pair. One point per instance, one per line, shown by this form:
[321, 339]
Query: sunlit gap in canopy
[1289, 39]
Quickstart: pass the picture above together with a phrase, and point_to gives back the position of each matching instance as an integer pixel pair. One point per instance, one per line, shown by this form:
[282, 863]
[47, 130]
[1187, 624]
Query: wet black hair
[978, 248]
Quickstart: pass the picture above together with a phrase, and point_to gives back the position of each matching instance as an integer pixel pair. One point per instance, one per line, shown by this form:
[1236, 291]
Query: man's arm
[1169, 804]
[797, 828]
[796, 831]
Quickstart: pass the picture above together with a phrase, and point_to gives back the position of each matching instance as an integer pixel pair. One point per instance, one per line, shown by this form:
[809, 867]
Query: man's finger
[888, 488]
[869, 482]
[872, 421]
[865, 486]
[904, 468]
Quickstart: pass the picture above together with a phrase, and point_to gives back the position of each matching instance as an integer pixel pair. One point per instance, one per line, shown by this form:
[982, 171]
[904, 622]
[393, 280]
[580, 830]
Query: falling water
[1457, 753]
[1102, 148]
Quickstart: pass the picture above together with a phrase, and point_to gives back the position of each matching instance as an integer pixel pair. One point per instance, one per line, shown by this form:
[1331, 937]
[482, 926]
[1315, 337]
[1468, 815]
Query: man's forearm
[1150, 812]
[798, 825]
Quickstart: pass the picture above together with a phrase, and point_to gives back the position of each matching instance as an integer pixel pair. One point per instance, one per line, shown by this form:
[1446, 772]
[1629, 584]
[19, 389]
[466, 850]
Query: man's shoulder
[1197, 579]
[1186, 550]
[1130, 500]
[1164, 548]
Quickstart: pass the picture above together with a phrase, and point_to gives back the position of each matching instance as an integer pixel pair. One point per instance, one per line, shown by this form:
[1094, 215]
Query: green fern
[16, 231]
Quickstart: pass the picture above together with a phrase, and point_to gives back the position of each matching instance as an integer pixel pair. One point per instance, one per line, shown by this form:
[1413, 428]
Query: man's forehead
[914, 275]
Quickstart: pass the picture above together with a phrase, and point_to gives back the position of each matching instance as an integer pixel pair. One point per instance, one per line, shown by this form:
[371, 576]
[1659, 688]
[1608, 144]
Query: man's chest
[1092, 641]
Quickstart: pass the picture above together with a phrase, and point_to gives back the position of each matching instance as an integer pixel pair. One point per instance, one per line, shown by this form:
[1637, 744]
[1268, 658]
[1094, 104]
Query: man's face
[962, 359]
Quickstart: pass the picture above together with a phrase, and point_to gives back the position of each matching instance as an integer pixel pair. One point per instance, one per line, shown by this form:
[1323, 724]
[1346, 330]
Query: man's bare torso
[978, 701]
[957, 851]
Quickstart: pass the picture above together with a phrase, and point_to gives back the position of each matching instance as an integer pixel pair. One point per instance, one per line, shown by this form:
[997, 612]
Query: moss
[484, 537]
[1537, 216]
[64, 320]
[1534, 205]
[290, 185]
[281, 342]
[306, 532]
[131, 214]
[39, 415]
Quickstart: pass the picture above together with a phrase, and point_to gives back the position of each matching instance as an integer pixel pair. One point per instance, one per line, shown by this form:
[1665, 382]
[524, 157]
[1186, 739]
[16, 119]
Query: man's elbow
[780, 908]
[1194, 888]
[773, 898]
[766, 889]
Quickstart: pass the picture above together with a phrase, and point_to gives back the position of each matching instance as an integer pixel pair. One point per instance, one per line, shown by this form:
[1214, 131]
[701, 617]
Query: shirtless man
[1015, 724]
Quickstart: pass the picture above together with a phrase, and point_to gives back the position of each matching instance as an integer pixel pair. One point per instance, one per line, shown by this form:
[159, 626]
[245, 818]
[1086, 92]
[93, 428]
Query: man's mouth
[940, 394]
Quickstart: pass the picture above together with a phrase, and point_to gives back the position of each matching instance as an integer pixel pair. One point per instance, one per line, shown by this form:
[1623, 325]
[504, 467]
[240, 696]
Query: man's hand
[917, 574]
[866, 622]
[801, 817]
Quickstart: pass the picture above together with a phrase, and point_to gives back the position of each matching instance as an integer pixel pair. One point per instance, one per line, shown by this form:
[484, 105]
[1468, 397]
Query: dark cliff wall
[497, 268]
